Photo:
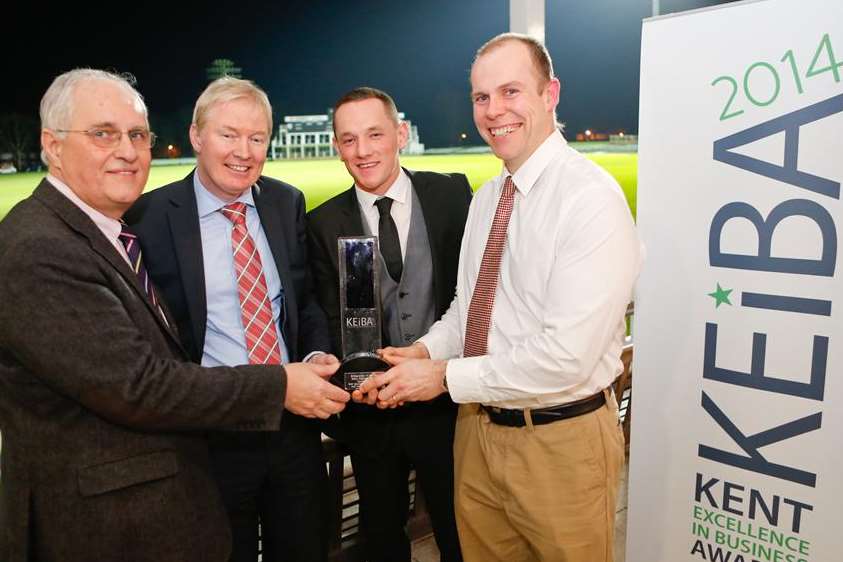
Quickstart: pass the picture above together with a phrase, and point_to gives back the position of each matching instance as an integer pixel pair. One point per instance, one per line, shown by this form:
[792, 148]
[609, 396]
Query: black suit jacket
[167, 223]
[98, 406]
[444, 199]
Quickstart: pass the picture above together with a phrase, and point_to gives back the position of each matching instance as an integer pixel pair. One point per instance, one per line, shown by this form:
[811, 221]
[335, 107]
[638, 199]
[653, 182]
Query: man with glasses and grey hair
[100, 410]
[213, 242]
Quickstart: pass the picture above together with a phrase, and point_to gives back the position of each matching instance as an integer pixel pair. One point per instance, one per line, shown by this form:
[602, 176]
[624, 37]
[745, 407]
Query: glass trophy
[360, 311]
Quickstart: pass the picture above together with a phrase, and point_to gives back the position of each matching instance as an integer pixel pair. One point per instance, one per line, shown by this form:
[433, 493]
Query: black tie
[388, 236]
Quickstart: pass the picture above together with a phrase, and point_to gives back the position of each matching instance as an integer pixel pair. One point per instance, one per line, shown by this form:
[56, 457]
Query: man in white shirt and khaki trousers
[532, 341]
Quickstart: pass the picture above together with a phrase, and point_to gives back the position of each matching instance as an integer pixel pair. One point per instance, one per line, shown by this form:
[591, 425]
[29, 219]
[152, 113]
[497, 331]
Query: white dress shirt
[110, 227]
[567, 273]
[401, 211]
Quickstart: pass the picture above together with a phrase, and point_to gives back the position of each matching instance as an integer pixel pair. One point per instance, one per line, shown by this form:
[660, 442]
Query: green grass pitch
[322, 179]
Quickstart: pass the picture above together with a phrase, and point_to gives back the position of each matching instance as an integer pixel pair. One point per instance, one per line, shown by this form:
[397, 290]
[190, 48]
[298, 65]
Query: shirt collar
[208, 203]
[109, 226]
[399, 191]
[531, 170]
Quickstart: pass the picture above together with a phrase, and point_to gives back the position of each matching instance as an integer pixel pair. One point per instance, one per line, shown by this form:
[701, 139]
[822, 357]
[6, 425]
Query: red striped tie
[483, 297]
[255, 307]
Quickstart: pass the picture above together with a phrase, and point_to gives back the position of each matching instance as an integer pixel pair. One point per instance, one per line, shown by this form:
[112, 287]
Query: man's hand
[414, 380]
[370, 397]
[397, 355]
[309, 395]
[393, 356]
[319, 358]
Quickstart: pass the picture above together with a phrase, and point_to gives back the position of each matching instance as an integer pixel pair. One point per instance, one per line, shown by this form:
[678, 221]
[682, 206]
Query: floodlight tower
[527, 16]
[222, 67]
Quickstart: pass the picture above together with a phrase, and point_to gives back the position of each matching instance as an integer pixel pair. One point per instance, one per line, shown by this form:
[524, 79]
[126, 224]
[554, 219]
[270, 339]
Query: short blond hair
[226, 89]
[538, 53]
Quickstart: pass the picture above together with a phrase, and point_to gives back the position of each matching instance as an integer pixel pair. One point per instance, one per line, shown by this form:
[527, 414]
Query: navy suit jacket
[167, 223]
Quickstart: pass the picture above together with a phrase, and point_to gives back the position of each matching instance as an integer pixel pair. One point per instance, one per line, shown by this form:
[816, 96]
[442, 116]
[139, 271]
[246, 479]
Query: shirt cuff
[464, 379]
[312, 354]
[436, 348]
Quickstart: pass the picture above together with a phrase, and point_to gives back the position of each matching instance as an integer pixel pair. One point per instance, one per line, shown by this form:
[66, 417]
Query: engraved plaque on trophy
[360, 311]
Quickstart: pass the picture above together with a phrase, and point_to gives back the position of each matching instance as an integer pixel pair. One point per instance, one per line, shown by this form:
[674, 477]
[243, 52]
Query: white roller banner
[737, 426]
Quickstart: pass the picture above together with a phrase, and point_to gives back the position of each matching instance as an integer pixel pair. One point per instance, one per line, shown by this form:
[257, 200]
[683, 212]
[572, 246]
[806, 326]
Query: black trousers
[419, 438]
[276, 479]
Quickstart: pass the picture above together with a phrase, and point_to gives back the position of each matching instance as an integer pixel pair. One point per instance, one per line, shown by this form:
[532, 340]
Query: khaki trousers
[543, 493]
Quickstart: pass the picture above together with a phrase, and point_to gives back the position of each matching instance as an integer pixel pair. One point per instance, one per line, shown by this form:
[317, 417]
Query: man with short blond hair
[227, 247]
[102, 415]
[531, 344]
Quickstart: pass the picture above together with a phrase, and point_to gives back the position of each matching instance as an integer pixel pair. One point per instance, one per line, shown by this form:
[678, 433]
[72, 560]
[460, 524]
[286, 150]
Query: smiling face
[107, 179]
[368, 140]
[513, 108]
[231, 147]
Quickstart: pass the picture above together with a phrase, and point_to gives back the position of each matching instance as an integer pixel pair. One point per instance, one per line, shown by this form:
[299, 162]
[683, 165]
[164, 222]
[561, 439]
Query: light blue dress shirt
[225, 339]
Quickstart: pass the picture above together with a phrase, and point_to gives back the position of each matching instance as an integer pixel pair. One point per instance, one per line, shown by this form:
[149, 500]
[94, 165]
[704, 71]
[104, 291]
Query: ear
[336, 146]
[195, 139]
[403, 134]
[51, 144]
[552, 91]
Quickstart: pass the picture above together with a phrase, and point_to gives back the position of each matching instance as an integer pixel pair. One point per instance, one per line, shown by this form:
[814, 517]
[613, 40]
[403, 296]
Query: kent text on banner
[737, 434]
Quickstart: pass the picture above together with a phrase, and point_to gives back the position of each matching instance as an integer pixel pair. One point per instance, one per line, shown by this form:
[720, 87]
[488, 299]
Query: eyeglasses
[110, 138]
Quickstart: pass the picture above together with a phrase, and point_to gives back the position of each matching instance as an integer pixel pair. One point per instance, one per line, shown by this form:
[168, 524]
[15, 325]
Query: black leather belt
[515, 418]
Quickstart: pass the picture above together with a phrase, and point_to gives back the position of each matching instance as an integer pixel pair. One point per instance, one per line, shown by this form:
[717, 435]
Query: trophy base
[356, 368]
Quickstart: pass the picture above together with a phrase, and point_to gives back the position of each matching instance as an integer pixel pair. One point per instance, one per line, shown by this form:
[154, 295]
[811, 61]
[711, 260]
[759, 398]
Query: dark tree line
[19, 137]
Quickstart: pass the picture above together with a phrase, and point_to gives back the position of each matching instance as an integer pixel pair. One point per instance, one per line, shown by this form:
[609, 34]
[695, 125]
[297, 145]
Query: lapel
[350, 221]
[79, 222]
[183, 218]
[431, 221]
[270, 207]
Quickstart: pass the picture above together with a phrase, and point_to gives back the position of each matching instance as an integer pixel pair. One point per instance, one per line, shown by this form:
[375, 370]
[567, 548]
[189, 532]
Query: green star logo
[721, 296]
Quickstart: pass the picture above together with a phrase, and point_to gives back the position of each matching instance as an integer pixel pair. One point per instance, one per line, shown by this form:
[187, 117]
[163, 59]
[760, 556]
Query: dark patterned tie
[388, 239]
[483, 297]
[133, 250]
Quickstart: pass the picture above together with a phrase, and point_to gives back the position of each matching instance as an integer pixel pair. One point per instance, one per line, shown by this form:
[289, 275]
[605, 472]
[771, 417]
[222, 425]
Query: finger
[395, 359]
[375, 381]
[322, 414]
[331, 359]
[387, 405]
[390, 353]
[323, 371]
[390, 391]
[335, 393]
[372, 397]
[317, 359]
[333, 407]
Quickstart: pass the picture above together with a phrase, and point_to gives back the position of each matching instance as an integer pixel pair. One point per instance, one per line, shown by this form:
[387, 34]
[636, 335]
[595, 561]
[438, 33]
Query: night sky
[306, 54]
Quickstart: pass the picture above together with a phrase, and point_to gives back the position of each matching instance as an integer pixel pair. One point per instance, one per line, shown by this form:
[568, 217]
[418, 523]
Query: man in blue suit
[200, 255]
